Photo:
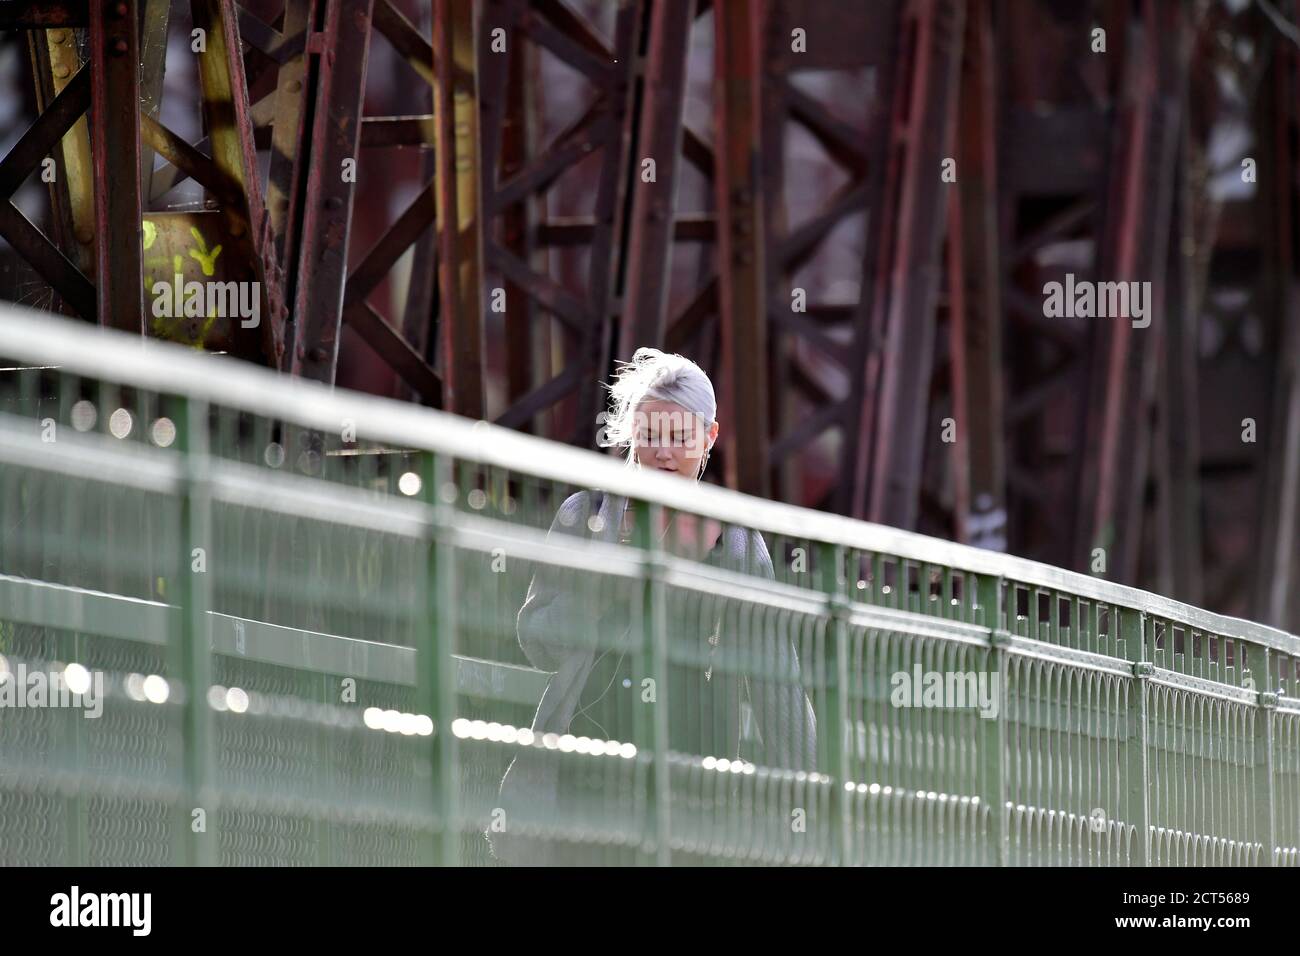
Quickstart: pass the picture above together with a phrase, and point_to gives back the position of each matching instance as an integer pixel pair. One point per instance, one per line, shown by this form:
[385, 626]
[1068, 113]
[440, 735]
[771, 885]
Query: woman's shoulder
[743, 548]
[577, 508]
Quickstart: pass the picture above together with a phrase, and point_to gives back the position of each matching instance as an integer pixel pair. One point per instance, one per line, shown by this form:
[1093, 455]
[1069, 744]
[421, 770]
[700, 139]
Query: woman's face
[670, 438]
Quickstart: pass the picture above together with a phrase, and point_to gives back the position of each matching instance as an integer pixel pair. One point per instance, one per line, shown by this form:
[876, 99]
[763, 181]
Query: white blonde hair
[664, 376]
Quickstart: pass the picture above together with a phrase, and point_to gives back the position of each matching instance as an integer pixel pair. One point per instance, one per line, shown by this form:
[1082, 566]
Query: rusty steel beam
[459, 207]
[518, 138]
[1178, 440]
[155, 18]
[887, 471]
[56, 62]
[229, 122]
[48, 260]
[804, 344]
[559, 381]
[975, 306]
[115, 133]
[337, 77]
[167, 176]
[1116, 446]
[44, 14]
[742, 276]
[1279, 525]
[287, 178]
[976, 301]
[663, 96]
[406, 39]
[43, 136]
[188, 160]
[1178, 437]
[389, 344]
[509, 136]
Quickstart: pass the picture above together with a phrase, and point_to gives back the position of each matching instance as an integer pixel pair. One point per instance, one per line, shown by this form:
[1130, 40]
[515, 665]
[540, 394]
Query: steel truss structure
[853, 236]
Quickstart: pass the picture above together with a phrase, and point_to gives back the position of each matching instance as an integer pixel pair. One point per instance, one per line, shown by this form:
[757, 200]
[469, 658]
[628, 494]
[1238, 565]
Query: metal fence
[305, 605]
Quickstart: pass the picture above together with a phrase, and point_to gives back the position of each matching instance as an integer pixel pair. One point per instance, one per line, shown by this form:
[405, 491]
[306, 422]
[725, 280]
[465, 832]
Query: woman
[663, 411]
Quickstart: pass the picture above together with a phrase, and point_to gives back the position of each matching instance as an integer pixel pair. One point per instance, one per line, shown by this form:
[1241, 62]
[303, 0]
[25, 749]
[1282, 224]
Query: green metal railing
[304, 605]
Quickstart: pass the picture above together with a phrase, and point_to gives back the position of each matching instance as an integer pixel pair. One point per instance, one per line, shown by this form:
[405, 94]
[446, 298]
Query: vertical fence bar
[1132, 627]
[194, 653]
[1266, 707]
[654, 664]
[831, 582]
[435, 679]
[989, 594]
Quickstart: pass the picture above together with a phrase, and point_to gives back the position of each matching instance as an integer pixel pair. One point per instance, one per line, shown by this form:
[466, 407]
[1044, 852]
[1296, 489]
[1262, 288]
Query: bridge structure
[294, 608]
[848, 219]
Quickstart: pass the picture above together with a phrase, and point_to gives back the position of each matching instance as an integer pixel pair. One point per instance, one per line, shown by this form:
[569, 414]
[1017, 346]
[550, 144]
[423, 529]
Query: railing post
[435, 679]
[993, 732]
[1266, 704]
[193, 651]
[654, 664]
[840, 738]
[1132, 626]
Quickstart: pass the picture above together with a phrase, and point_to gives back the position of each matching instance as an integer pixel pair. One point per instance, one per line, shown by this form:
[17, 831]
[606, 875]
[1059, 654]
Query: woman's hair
[653, 374]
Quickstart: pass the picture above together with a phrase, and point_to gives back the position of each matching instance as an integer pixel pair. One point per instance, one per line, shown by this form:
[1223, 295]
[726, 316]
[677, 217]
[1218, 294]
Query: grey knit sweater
[563, 625]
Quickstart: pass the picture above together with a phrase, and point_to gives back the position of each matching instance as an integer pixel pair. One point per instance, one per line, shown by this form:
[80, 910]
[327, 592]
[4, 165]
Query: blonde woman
[664, 413]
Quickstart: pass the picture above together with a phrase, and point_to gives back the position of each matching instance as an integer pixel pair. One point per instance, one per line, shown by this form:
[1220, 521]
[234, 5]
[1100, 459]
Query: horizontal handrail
[46, 340]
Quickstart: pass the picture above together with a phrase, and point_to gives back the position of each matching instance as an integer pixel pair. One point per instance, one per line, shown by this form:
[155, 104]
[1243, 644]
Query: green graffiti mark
[173, 327]
[205, 258]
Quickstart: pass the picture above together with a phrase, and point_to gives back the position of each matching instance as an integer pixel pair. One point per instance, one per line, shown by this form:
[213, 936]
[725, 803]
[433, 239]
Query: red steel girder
[1117, 437]
[1278, 574]
[42, 138]
[115, 133]
[459, 207]
[892, 424]
[45, 14]
[738, 190]
[229, 121]
[286, 180]
[583, 304]
[645, 298]
[975, 300]
[337, 75]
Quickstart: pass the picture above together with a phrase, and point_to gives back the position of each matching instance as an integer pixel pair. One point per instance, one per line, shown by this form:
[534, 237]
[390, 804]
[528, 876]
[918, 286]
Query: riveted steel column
[650, 234]
[339, 50]
[115, 133]
[55, 61]
[228, 117]
[1137, 812]
[742, 271]
[975, 306]
[460, 207]
[887, 470]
